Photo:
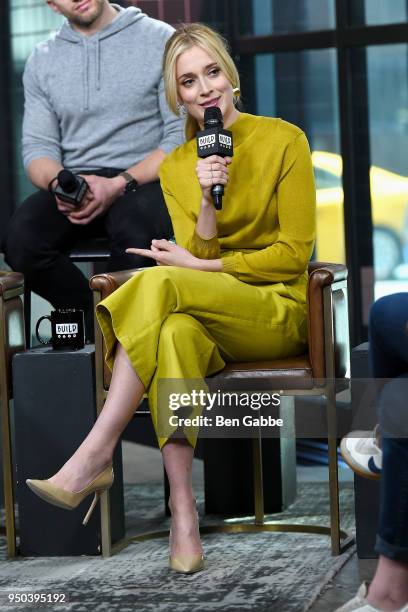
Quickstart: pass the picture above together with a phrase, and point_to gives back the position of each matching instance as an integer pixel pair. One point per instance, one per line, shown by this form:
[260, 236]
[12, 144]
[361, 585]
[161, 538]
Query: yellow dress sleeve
[288, 257]
[184, 223]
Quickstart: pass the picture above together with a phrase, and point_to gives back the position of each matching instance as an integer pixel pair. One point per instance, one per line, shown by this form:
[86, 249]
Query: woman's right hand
[212, 171]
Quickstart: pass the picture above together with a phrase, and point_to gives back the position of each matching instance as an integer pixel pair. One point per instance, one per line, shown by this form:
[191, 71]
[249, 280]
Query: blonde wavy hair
[185, 37]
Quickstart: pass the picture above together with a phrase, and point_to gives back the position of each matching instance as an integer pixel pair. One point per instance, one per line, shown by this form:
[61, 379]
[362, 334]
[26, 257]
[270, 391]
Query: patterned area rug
[266, 572]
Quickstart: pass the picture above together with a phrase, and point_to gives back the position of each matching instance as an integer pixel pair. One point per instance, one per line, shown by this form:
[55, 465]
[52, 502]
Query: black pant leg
[35, 244]
[134, 220]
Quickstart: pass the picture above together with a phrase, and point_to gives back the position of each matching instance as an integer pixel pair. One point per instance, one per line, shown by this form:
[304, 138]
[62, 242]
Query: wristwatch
[131, 182]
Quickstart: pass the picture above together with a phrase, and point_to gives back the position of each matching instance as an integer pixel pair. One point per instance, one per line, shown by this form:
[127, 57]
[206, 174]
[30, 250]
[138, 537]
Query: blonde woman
[233, 288]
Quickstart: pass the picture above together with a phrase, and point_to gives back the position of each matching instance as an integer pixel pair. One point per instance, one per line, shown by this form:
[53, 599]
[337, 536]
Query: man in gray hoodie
[95, 104]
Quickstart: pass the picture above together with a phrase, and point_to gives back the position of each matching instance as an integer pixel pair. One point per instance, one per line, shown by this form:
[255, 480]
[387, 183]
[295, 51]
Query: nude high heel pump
[186, 564]
[71, 499]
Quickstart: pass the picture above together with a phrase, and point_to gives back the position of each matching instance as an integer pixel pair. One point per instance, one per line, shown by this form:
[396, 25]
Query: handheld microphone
[70, 187]
[214, 140]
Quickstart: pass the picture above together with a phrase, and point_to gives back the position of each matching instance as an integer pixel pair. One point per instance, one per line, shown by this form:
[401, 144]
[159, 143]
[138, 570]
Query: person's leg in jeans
[389, 358]
[134, 220]
[389, 588]
[388, 336]
[36, 243]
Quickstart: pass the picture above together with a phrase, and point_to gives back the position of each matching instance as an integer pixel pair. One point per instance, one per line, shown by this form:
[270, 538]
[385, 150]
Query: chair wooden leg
[106, 540]
[288, 449]
[6, 444]
[8, 480]
[27, 316]
[333, 472]
[258, 479]
[106, 525]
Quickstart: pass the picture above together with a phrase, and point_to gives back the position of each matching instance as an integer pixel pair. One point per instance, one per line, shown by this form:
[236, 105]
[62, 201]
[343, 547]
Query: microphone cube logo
[225, 140]
[214, 141]
[206, 141]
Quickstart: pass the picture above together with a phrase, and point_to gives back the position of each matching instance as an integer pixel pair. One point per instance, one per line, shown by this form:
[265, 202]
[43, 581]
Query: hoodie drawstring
[85, 71]
[98, 64]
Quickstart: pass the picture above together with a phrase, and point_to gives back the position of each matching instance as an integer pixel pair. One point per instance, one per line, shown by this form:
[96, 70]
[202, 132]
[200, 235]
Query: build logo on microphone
[214, 142]
[225, 140]
[206, 141]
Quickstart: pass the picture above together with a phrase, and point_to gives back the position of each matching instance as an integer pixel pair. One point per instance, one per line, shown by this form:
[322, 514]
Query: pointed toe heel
[188, 564]
[69, 500]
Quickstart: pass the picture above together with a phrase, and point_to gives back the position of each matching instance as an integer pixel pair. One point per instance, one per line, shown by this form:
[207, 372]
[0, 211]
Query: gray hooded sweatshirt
[98, 101]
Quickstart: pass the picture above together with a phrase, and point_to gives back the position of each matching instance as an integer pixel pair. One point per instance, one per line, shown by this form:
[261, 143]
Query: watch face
[131, 186]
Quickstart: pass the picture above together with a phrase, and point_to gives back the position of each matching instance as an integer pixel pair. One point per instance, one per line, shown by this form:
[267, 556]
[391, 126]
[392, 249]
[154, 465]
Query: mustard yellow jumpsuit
[178, 323]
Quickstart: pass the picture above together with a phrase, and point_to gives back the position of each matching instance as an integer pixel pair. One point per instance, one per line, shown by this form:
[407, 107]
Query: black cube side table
[54, 406]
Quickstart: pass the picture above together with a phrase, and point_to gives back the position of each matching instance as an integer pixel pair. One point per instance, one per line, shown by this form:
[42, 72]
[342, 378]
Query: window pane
[377, 12]
[387, 69]
[30, 22]
[302, 88]
[263, 17]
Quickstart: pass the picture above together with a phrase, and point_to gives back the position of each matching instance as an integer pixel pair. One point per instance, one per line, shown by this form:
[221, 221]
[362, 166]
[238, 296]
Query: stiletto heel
[71, 499]
[95, 500]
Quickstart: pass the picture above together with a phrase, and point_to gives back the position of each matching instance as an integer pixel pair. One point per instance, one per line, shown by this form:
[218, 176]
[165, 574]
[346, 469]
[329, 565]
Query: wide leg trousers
[177, 323]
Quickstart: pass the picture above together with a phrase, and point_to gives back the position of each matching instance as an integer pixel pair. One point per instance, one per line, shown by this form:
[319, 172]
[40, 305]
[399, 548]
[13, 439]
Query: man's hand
[102, 192]
[65, 208]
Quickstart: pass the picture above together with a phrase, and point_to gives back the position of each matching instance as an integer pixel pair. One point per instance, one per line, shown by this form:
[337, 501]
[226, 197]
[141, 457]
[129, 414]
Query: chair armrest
[109, 282]
[327, 273]
[12, 338]
[322, 276]
[11, 284]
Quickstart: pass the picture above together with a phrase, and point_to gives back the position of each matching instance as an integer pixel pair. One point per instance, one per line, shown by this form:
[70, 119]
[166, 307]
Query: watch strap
[131, 182]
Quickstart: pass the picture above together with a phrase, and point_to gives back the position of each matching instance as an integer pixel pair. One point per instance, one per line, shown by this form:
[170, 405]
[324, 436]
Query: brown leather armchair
[322, 371]
[12, 340]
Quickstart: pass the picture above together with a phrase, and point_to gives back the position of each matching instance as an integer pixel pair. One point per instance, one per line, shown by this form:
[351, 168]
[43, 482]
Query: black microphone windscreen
[67, 180]
[213, 117]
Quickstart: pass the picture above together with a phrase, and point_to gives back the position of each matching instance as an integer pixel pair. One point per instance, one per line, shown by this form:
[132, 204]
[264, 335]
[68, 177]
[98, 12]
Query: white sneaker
[359, 603]
[361, 452]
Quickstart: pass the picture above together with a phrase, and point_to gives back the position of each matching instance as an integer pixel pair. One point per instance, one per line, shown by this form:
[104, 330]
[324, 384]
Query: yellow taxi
[389, 195]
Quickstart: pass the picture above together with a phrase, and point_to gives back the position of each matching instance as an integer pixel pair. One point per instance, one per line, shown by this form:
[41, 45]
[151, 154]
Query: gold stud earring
[236, 91]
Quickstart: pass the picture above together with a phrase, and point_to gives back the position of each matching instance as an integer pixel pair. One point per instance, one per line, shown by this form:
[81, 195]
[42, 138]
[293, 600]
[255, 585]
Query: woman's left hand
[167, 253]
